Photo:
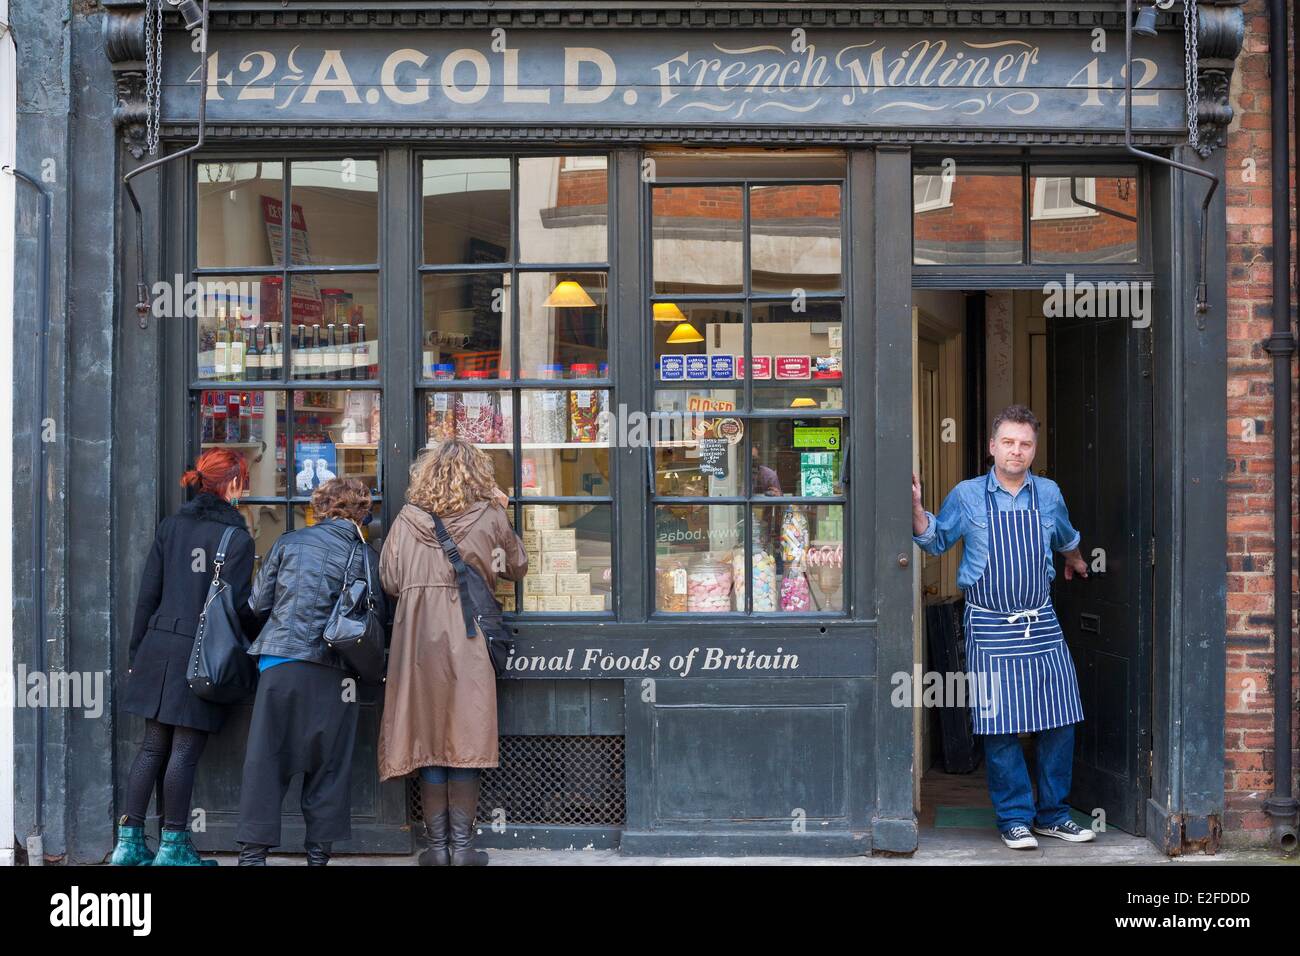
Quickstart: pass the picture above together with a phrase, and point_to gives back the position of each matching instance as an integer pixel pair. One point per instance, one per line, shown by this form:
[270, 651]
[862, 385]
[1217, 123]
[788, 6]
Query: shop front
[660, 266]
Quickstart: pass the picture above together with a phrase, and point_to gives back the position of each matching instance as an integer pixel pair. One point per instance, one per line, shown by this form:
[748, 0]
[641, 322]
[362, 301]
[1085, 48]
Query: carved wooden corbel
[1219, 39]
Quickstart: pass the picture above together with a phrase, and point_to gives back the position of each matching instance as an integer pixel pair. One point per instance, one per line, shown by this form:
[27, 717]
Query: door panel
[1101, 441]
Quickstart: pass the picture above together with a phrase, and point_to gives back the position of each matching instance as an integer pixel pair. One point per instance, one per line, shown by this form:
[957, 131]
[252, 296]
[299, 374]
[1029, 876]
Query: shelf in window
[534, 446]
[356, 446]
[232, 444]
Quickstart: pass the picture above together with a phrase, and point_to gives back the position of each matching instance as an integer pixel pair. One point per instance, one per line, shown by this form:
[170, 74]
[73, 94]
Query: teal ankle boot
[177, 850]
[131, 849]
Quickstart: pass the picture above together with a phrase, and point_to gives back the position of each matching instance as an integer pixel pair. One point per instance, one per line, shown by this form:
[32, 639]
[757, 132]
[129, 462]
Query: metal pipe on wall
[1282, 805]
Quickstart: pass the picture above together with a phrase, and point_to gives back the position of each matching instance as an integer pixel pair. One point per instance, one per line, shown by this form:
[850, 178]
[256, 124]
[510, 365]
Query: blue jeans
[1009, 787]
[436, 775]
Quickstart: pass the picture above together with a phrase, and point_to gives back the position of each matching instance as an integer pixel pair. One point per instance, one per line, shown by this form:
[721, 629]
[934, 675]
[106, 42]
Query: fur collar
[206, 507]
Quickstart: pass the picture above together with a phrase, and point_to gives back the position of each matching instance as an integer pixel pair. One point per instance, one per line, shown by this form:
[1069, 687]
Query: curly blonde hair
[449, 477]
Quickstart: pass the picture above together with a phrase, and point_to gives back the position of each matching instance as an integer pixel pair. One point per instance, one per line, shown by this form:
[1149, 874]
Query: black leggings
[170, 756]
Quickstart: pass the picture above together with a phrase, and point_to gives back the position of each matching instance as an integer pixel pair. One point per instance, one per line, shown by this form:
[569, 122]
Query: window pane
[695, 549]
[806, 545]
[1065, 228]
[466, 210]
[474, 415]
[770, 396]
[704, 163]
[698, 239]
[335, 212]
[562, 321]
[266, 522]
[794, 238]
[569, 557]
[336, 434]
[466, 325]
[239, 213]
[798, 341]
[798, 456]
[698, 454]
[697, 340]
[978, 223]
[238, 327]
[251, 423]
[563, 209]
[334, 327]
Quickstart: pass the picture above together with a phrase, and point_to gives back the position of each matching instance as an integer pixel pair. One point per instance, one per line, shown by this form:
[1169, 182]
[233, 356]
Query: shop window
[290, 380]
[748, 426]
[973, 216]
[515, 356]
[1084, 214]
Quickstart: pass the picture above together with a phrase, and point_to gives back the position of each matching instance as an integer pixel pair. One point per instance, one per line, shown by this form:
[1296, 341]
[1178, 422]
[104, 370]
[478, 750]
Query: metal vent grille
[551, 780]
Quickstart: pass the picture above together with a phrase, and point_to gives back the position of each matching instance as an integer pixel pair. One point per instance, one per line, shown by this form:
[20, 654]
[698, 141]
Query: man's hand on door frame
[1074, 564]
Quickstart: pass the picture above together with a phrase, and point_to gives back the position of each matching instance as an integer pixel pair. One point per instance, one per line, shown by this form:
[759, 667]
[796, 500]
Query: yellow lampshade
[685, 332]
[804, 403]
[568, 295]
[668, 312]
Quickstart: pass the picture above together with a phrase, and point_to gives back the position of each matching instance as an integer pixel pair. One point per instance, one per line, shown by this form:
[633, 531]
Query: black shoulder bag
[354, 629]
[478, 605]
[220, 670]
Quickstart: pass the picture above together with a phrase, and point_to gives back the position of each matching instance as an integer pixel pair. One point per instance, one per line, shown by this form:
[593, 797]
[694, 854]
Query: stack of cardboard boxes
[553, 582]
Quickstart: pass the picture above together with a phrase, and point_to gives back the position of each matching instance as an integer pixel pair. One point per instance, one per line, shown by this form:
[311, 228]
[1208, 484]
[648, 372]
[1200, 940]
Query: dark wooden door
[1100, 423]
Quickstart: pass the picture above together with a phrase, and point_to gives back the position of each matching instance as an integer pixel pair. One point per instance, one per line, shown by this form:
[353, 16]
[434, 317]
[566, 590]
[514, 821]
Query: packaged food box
[532, 602]
[540, 583]
[588, 602]
[507, 602]
[532, 539]
[541, 517]
[555, 602]
[572, 584]
[559, 540]
[561, 561]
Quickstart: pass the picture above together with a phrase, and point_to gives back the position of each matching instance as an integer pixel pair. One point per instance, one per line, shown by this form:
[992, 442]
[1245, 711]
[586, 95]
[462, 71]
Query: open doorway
[1088, 382]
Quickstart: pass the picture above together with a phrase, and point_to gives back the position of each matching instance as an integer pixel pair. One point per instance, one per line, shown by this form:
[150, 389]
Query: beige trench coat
[440, 700]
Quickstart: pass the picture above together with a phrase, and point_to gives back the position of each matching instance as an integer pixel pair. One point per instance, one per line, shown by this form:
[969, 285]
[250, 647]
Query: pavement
[938, 847]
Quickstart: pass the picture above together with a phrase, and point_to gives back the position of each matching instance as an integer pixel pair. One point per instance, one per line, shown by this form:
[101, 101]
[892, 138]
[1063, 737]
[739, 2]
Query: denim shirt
[964, 517]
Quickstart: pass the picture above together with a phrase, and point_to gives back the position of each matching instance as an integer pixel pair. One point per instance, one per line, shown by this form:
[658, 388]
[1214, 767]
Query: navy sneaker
[1069, 831]
[1018, 837]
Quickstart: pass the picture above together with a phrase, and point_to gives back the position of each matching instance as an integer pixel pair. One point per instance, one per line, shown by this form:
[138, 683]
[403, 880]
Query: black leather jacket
[298, 584]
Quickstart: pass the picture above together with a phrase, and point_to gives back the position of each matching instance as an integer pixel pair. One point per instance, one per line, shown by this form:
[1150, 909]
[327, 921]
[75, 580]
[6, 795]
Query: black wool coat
[172, 593]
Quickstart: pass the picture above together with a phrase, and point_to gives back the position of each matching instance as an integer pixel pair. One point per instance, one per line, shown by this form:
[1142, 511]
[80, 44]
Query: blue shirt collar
[994, 486]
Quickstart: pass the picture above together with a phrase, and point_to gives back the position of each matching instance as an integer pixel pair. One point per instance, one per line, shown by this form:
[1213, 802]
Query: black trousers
[301, 725]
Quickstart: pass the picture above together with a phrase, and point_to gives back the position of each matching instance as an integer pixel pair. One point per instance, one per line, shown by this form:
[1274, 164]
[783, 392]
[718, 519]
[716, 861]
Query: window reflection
[967, 215]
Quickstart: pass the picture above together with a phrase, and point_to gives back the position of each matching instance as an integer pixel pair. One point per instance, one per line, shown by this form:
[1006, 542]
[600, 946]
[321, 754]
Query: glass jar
[477, 415]
[708, 586]
[548, 416]
[671, 585]
[794, 536]
[336, 306]
[796, 595]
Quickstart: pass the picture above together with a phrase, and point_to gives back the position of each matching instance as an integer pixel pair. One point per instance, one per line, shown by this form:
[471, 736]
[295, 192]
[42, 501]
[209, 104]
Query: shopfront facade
[707, 224]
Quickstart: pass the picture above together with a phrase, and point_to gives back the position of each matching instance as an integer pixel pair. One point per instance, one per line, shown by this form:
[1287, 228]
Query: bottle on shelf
[255, 355]
[330, 359]
[238, 345]
[315, 361]
[273, 359]
[221, 354]
[347, 367]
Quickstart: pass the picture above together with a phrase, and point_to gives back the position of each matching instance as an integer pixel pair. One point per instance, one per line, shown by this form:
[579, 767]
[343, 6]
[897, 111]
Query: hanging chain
[1191, 31]
[153, 24]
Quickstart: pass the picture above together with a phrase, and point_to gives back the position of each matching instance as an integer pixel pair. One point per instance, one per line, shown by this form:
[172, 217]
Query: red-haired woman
[172, 594]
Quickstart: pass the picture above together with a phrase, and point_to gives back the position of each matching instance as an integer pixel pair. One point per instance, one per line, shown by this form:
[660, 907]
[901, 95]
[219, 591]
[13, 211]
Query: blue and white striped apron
[1022, 675]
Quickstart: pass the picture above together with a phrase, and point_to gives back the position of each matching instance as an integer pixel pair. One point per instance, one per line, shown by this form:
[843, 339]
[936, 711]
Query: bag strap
[221, 553]
[365, 563]
[462, 572]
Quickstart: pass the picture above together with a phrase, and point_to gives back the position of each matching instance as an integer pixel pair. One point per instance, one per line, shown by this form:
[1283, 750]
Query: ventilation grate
[551, 780]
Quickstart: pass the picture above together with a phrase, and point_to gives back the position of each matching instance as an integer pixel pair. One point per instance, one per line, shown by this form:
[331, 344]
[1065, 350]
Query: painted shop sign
[880, 78]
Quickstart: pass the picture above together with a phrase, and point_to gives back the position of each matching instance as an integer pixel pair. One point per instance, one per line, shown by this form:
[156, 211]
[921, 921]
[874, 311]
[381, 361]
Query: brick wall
[1248, 766]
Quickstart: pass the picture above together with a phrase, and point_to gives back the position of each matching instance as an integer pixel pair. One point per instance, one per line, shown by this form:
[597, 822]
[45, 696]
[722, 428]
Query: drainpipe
[1202, 295]
[36, 839]
[1282, 806]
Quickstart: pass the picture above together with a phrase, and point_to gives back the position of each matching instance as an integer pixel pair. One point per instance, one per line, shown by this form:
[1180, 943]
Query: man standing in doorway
[1010, 521]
